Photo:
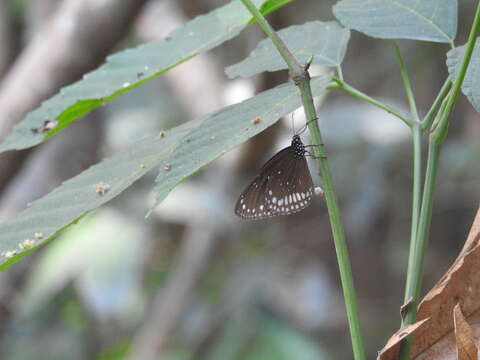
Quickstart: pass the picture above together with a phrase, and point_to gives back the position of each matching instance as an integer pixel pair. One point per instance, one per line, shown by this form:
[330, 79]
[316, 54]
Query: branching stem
[437, 136]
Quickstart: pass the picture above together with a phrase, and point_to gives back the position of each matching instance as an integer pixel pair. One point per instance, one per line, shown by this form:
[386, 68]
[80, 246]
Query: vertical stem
[412, 292]
[416, 201]
[336, 223]
[302, 79]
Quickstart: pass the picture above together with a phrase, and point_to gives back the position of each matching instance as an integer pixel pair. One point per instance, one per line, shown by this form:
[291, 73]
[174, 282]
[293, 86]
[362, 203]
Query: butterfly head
[297, 146]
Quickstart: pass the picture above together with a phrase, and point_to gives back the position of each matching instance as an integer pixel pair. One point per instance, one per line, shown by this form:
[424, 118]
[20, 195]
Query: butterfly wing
[283, 186]
[251, 203]
[294, 188]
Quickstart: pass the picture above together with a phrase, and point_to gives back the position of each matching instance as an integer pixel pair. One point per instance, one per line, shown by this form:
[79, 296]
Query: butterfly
[284, 185]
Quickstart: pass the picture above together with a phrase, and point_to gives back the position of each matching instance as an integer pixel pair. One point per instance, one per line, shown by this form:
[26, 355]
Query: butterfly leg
[312, 120]
[309, 154]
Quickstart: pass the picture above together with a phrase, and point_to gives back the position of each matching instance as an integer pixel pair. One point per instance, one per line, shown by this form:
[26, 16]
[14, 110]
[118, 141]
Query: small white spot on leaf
[102, 188]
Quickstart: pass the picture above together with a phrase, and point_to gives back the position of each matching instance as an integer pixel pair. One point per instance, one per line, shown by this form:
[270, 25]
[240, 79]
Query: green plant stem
[437, 118]
[406, 82]
[340, 72]
[336, 224]
[416, 202]
[414, 276]
[417, 165]
[302, 79]
[342, 86]
[436, 139]
[291, 61]
[428, 119]
[464, 65]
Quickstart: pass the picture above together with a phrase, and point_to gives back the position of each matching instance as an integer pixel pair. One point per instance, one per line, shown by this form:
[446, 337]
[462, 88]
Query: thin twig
[406, 82]
[342, 86]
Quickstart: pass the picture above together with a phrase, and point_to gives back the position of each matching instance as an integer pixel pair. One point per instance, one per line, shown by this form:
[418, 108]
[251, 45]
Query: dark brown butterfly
[284, 185]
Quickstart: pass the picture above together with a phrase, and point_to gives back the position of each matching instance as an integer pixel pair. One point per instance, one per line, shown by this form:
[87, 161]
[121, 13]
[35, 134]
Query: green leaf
[48, 216]
[180, 152]
[325, 41]
[430, 20]
[471, 83]
[129, 69]
[227, 128]
[270, 6]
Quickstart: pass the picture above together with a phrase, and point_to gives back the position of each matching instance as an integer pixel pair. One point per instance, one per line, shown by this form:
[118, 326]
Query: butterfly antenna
[293, 122]
[306, 125]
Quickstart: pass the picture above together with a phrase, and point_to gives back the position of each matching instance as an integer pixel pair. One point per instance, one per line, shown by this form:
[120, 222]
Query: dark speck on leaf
[49, 125]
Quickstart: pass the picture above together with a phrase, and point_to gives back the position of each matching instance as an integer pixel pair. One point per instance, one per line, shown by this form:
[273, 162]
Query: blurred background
[193, 281]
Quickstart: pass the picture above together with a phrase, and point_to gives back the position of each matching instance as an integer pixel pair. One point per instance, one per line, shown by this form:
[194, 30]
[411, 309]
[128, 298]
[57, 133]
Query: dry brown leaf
[390, 351]
[435, 339]
[466, 347]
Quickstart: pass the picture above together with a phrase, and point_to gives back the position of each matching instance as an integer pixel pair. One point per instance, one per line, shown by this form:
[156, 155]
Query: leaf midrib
[439, 29]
